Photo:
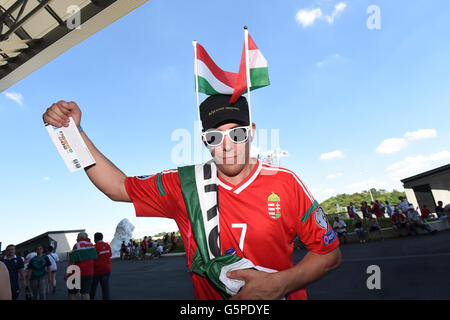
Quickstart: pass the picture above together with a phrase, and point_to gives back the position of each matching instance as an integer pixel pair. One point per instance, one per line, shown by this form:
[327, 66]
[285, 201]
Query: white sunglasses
[214, 137]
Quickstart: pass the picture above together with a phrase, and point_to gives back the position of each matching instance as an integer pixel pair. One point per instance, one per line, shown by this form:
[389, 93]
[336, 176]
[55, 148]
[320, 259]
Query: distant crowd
[402, 216]
[148, 247]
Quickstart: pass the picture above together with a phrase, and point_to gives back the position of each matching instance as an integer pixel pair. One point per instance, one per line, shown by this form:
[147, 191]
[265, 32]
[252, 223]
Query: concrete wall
[439, 184]
[65, 243]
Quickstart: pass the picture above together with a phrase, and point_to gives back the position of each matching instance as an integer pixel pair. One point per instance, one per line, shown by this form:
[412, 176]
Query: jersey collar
[244, 183]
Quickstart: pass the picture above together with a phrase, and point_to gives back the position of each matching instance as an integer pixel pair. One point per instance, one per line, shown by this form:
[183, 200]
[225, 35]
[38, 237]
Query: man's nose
[227, 144]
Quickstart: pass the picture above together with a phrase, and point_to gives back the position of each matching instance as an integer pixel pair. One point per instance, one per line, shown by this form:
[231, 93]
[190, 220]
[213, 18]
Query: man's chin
[230, 170]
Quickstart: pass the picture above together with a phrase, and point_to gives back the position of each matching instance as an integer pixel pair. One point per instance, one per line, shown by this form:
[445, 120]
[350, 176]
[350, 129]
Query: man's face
[231, 157]
[11, 251]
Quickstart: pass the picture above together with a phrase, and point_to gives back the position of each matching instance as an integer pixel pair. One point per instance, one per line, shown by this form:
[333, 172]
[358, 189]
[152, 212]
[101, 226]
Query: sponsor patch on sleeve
[329, 237]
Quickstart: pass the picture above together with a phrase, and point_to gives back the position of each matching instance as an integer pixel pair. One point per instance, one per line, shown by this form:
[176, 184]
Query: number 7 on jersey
[244, 230]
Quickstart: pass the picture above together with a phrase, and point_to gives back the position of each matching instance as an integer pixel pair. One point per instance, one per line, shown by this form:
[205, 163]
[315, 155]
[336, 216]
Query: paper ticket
[71, 146]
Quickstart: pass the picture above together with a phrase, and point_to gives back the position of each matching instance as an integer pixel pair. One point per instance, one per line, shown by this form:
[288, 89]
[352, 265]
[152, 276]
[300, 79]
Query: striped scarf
[199, 186]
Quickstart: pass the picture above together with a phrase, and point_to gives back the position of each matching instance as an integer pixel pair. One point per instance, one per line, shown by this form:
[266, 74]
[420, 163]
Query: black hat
[216, 110]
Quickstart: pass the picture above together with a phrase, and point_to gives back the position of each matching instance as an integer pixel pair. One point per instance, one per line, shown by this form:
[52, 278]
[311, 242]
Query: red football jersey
[102, 265]
[258, 218]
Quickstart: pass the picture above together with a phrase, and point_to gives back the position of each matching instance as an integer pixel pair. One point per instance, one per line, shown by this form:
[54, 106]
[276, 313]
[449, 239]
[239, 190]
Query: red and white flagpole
[249, 83]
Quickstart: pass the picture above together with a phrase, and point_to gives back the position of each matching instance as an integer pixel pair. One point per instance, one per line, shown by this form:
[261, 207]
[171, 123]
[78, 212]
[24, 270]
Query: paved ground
[411, 268]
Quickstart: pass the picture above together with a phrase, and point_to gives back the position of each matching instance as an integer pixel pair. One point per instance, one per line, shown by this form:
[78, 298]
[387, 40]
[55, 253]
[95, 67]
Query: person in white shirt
[53, 257]
[341, 228]
[404, 205]
[416, 221]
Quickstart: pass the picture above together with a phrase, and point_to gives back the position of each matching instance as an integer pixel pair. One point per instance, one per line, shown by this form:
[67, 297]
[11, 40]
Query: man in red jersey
[102, 267]
[261, 207]
[83, 255]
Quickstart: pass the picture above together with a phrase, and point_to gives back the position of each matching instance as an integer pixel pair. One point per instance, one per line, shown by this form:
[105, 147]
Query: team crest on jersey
[321, 218]
[274, 205]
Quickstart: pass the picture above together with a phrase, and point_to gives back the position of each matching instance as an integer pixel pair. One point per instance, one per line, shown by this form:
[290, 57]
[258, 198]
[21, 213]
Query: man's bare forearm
[105, 175]
[312, 267]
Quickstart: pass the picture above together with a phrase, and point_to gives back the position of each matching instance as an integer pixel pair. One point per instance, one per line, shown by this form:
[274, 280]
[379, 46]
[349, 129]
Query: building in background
[62, 241]
[429, 187]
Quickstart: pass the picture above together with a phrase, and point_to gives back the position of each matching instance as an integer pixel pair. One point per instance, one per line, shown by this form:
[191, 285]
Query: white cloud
[307, 17]
[328, 60]
[16, 97]
[338, 9]
[421, 134]
[338, 154]
[334, 175]
[46, 178]
[392, 145]
[415, 165]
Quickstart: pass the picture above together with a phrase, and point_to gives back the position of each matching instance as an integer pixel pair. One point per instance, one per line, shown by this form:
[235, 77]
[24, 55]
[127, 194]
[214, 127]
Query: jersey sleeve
[156, 195]
[313, 227]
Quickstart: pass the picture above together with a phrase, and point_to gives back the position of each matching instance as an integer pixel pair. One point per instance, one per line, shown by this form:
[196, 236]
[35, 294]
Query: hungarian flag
[212, 79]
[259, 72]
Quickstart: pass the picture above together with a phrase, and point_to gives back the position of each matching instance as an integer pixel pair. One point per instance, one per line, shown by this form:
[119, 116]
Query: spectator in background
[340, 227]
[399, 222]
[440, 211]
[83, 255]
[53, 257]
[123, 251]
[446, 212]
[16, 270]
[373, 226]
[166, 240]
[376, 210]
[404, 205]
[365, 210]
[416, 222]
[382, 207]
[39, 274]
[360, 230]
[5, 287]
[350, 212]
[102, 267]
[144, 246]
[389, 209]
[425, 212]
[30, 256]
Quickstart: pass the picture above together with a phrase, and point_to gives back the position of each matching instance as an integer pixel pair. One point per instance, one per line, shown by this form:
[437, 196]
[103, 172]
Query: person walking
[16, 270]
[54, 258]
[83, 256]
[102, 267]
[39, 273]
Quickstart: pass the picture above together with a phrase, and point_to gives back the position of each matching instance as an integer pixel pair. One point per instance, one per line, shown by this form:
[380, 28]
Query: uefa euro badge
[321, 219]
[273, 205]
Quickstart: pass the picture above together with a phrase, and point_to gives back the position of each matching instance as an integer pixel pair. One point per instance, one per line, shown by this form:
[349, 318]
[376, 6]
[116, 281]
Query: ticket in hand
[71, 146]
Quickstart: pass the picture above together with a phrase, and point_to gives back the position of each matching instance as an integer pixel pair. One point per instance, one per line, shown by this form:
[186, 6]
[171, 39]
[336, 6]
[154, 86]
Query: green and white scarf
[199, 185]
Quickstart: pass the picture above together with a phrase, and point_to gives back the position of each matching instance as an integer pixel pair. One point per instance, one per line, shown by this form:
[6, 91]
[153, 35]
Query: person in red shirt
[376, 210]
[399, 221]
[262, 206]
[83, 255]
[425, 212]
[102, 267]
[144, 246]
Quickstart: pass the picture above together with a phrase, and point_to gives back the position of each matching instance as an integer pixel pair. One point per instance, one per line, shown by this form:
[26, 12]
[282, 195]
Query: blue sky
[355, 107]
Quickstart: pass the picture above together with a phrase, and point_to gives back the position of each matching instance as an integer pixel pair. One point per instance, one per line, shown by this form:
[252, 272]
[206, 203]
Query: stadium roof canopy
[34, 32]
